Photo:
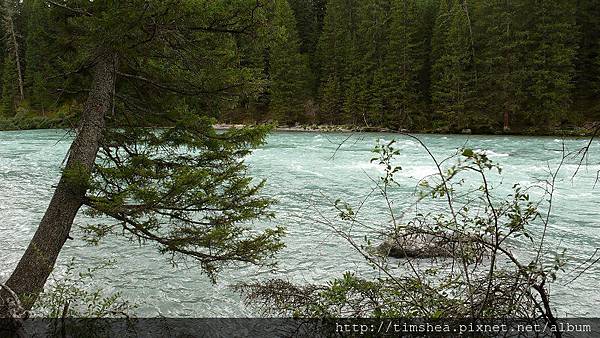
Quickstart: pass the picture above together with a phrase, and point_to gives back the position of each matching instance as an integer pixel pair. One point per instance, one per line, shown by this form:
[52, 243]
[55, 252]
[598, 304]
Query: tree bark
[17, 58]
[32, 271]
[10, 29]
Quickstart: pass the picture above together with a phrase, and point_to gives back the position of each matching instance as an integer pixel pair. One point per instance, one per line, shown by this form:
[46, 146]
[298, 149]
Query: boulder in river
[424, 245]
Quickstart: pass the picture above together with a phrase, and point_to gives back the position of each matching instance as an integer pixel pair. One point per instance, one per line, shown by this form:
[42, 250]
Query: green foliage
[38, 50]
[334, 51]
[417, 64]
[500, 86]
[289, 70]
[587, 62]
[404, 63]
[77, 178]
[549, 50]
[186, 190]
[331, 106]
[526, 61]
[309, 15]
[9, 87]
[352, 296]
[70, 296]
[496, 266]
[79, 306]
[453, 74]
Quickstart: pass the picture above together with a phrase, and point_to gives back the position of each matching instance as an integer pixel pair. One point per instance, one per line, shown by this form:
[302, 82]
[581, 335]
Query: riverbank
[586, 130]
[57, 122]
[34, 122]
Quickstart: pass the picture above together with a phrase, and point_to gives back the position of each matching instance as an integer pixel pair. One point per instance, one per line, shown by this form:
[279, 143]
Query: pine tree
[12, 86]
[547, 37]
[289, 69]
[404, 62]
[439, 34]
[37, 54]
[309, 16]
[330, 104]
[389, 62]
[453, 77]
[587, 73]
[3, 52]
[10, 91]
[500, 90]
[336, 49]
[184, 189]
[368, 61]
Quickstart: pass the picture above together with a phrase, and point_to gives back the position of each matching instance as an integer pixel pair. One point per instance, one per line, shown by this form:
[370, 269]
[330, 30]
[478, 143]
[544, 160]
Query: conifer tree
[289, 69]
[185, 190]
[335, 51]
[587, 75]
[309, 16]
[500, 90]
[12, 87]
[548, 47]
[10, 91]
[2, 57]
[427, 18]
[37, 54]
[393, 62]
[404, 62]
[453, 73]
[368, 60]
[441, 26]
[331, 104]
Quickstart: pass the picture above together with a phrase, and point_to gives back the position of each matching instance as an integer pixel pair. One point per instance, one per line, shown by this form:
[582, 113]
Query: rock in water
[417, 245]
[420, 244]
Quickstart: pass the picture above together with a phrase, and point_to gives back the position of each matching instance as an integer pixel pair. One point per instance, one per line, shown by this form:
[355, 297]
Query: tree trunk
[28, 279]
[17, 58]
[471, 39]
[10, 30]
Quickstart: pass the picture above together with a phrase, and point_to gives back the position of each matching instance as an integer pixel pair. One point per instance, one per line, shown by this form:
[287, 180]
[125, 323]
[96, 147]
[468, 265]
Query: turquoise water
[305, 173]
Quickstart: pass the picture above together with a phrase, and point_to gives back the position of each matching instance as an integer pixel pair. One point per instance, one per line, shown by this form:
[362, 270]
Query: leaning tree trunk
[28, 279]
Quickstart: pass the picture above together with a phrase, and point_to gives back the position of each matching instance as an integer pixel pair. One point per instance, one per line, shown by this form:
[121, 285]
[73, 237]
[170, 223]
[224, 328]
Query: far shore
[588, 129]
[311, 128]
[580, 131]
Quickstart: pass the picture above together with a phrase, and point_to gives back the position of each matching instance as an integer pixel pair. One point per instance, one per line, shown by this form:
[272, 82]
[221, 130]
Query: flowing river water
[304, 172]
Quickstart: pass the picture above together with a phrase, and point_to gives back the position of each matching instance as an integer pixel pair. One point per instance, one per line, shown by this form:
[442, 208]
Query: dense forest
[113, 72]
[402, 64]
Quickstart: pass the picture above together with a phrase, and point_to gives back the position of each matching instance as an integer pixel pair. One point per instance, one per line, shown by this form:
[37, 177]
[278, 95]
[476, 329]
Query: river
[304, 173]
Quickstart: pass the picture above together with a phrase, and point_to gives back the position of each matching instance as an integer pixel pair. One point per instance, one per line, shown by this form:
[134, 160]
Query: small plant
[492, 264]
[71, 297]
[72, 306]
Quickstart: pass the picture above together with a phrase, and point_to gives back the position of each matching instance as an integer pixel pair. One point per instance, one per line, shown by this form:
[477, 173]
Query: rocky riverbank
[56, 122]
[588, 129]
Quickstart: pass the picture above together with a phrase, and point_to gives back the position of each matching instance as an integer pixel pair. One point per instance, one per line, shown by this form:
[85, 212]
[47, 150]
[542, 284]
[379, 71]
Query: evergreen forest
[419, 65]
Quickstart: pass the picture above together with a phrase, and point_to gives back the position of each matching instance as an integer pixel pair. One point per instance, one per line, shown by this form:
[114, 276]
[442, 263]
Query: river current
[305, 171]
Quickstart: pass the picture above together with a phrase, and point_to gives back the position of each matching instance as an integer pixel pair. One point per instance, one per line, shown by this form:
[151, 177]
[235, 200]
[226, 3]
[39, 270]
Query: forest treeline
[414, 64]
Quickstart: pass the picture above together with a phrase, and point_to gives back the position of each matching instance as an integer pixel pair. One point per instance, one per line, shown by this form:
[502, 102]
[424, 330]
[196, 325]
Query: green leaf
[468, 153]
